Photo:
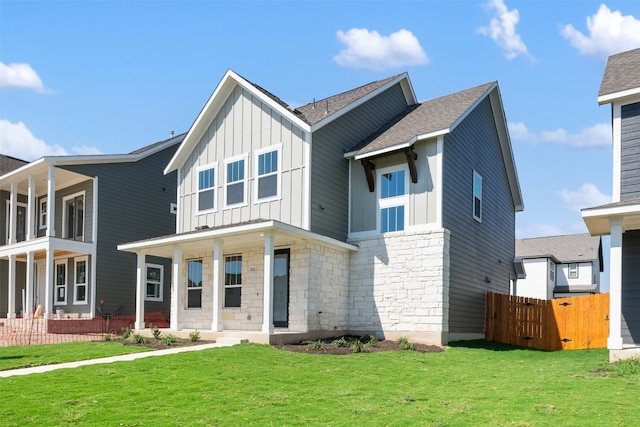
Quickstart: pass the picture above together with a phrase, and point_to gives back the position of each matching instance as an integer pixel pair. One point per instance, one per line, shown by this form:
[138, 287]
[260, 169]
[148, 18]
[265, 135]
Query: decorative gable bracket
[369, 167]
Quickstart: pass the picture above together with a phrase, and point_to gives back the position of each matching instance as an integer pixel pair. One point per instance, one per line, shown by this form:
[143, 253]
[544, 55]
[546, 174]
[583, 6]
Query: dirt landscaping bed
[346, 344]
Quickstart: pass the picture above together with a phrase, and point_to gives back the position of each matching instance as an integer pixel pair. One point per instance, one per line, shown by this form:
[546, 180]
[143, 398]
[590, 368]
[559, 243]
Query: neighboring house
[621, 219]
[60, 222]
[363, 212]
[559, 266]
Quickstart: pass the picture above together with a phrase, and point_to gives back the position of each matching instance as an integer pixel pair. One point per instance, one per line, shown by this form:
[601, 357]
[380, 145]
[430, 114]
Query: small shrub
[316, 345]
[405, 344]
[370, 340]
[194, 336]
[107, 337]
[139, 339]
[126, 332]
[357, 346]
[169, 339]
[340, 342]
[155, 331]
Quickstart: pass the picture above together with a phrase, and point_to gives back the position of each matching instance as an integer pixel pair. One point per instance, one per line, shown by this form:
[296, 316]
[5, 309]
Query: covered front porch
[621, 220]
[263, 280]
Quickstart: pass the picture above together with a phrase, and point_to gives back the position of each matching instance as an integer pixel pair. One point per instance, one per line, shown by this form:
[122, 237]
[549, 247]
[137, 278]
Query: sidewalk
[121, 358]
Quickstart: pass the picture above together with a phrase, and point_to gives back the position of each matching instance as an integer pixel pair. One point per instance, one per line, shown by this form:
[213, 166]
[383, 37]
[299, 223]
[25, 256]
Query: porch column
[11, 293]
[614, 341]
[13, 212]
[31, 210]
[140, 290]
[218, 285]
[49, 281]
[51, 202]
[176, 280]
[267, 307]
[28, 308]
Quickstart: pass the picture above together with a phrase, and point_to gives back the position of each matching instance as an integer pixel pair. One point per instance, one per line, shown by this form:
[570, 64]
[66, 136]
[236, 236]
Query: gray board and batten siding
[329, 168]
[631, 287]
[134, 200]
[479, 251]
[630, 152]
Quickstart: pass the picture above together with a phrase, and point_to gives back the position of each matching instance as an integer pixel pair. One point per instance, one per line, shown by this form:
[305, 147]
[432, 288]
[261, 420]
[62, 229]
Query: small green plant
[316, 345]
[370, 340]
[357, 346]
[107, 337]
[126, 332]
[155, 331]
[625, 368]
[169, 339]
[405, 344]
[139, 339]
[194, 336]
[340, 342]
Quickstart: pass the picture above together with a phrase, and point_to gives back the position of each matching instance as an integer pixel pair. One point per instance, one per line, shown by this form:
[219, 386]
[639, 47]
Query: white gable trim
[617, 96]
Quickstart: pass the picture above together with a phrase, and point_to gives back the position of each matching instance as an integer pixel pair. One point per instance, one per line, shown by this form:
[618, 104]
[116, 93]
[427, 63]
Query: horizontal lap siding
[631, 287]
[330, 170]
[630, 152]
[477, 250]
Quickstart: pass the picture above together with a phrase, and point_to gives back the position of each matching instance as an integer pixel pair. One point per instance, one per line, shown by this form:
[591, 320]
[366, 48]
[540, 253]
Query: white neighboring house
[559, 266]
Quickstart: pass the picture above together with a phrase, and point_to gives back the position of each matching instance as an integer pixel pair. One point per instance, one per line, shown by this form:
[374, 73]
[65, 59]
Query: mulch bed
[155, 344]
[328, 347]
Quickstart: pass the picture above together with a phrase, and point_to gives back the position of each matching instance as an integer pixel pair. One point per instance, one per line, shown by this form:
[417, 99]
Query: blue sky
[109, 77]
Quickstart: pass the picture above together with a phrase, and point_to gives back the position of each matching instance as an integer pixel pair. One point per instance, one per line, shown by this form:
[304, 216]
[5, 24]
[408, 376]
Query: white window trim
[390, 202]
[577, 269]
[245, 158]
[473, 196]
[41, 225]
[160, 283]
[84, 217]
[24, 205]
[215, 187]
[278, 173]
[56, 263]
[75, 280]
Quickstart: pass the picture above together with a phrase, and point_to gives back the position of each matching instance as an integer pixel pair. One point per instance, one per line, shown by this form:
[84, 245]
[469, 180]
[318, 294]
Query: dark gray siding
[631, 287]
[479, 251]
[21, 278]
[5, 196]
[133, 204]
[329, 168]
[630, 161]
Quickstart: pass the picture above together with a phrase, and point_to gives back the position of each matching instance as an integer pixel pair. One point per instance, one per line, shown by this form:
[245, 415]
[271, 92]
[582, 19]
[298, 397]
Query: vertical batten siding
[631, 287]
[478, 250]
[134, 200]
[330, 170]
[245, 124]
[630, 152]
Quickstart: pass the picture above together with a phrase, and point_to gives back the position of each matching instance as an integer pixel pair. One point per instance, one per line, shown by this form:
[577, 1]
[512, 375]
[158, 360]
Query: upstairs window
[235, 181]
[232, 281]
[477, 196]
[73, 213]
[573, 270]
[42, 213]
[268, 173]
[206, 188]
[393, 199]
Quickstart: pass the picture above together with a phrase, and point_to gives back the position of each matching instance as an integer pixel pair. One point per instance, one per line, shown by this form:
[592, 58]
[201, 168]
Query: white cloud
[369, 49]
[598, 135]
[609, 32]
[20, 76]
[586, 196]
[502, 29]
[17, 140]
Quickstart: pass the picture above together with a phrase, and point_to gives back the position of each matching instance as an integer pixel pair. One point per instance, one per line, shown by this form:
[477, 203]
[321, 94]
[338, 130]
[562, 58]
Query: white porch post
[31, 210]
[614, 341]
[176, 279]
[218, 285]
[140, 290]
[13, 212]
[49, 282]
[51, 202]
[28, 309]
[11, 294]
[267, 308]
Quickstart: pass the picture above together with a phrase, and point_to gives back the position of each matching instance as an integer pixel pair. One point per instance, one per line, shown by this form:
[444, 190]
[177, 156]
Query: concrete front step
[231, 340]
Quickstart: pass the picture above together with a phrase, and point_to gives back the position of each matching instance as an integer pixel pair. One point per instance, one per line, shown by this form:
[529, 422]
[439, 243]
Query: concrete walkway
[121, 358]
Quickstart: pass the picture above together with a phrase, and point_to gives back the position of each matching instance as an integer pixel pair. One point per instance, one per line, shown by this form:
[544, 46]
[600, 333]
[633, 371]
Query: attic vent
[202, 227]
[518, 266]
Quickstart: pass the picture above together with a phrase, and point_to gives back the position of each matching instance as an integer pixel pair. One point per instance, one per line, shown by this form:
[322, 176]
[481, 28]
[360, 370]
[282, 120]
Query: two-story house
[366, 211]
[559, 266]
[61, 220]
[620, 219]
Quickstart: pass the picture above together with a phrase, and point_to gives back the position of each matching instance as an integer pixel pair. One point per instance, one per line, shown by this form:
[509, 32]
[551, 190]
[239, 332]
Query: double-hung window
[232, 281]
[235, 187]
[477, 196]
[573, 270]
[393, 198]
[155, 276]
[194, 285]
[268, 173]
[61, 282]
[206, 188]
[42, 213]
[80, 285]
[73, 213]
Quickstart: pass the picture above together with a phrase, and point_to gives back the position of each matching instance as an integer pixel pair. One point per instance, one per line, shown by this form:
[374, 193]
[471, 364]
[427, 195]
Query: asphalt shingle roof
[567, 248]
[622, 73]
[8, 164]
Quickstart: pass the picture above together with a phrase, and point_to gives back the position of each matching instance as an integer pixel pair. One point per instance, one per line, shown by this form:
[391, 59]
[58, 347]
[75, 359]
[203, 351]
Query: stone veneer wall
[399, 285]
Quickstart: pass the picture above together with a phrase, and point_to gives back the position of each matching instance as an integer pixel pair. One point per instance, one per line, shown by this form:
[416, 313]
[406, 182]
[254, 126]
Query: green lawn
[473, 384]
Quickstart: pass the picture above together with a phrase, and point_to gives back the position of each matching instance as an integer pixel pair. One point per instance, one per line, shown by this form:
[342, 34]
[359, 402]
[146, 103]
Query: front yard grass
[470, 384]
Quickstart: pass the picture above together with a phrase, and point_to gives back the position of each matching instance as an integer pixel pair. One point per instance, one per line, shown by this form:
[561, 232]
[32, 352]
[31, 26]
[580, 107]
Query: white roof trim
[610, 97]
[386, 150]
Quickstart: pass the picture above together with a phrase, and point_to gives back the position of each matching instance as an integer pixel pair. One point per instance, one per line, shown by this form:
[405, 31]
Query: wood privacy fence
[559, 324]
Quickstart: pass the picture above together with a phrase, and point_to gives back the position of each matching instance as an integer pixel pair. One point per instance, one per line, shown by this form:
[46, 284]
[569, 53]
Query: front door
[281, 288]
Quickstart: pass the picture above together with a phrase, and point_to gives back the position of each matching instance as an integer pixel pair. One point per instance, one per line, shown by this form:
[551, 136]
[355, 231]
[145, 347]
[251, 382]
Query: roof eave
[617, 96]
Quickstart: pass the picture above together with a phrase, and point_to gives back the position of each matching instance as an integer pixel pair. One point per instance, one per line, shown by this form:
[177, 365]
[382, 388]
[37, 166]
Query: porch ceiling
[40, 172]
[598, 219]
